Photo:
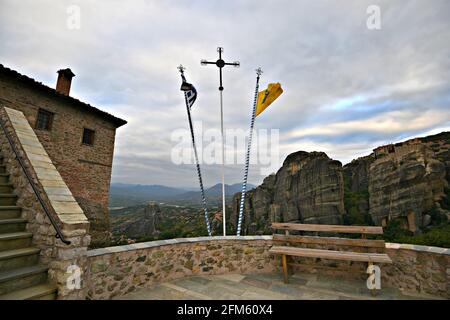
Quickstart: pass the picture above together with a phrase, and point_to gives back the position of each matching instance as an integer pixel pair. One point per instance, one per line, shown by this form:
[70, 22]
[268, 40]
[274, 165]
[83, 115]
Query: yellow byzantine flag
[266, 97]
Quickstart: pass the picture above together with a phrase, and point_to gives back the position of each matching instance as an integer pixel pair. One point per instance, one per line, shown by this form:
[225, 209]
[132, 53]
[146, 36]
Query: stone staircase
[21, 275]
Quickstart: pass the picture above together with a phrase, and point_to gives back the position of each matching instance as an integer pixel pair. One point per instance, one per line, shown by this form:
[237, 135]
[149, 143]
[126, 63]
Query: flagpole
[247, 157]
[223, 166]
[199, 173]
[220, 63]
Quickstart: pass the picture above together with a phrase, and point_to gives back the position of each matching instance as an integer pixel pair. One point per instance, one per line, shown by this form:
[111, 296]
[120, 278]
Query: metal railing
[55, 225]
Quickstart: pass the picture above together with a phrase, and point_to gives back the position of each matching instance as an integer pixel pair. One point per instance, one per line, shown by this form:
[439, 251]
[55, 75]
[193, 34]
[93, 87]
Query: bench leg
[285, 269]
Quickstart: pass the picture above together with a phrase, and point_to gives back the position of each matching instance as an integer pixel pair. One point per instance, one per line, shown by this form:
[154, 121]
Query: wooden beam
[330, 241]
[328, 228]
[331, 254]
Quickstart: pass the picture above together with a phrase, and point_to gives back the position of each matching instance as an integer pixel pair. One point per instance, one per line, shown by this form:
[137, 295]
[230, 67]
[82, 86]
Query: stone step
[6, 188]
[39, 292]
[12, 225]
[15, 240]
[22, 278]
[4, 178]
[7, 199]
[10, 212]
[18, 258]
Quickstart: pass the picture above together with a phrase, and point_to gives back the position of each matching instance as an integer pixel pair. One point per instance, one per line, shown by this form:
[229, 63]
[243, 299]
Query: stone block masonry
[420, 269]
[115, 271]
[55, 193]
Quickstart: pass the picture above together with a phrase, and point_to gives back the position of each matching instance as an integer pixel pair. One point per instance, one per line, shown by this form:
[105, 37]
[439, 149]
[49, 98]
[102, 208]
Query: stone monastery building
[78, 137]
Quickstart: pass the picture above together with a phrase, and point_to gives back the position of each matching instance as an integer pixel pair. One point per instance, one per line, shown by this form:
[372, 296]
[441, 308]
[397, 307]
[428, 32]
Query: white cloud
[126, 53]
[387, 123]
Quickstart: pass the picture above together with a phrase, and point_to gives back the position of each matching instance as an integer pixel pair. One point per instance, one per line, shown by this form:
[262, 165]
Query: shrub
[445, 202]
[354, 215]
[393, 231]
[438, 236]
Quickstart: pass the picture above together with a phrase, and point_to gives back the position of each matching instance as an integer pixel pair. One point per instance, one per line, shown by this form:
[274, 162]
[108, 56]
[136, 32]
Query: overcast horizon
[347, 89]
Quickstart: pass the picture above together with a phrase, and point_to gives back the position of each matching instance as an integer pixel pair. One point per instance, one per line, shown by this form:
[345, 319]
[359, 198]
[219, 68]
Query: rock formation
[145, 226]
[308, 188]
[356, 191]
[405, 185]
[407, 181]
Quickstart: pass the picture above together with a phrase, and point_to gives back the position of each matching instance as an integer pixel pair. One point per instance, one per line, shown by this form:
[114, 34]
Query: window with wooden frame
[88, 136]
[44, 120]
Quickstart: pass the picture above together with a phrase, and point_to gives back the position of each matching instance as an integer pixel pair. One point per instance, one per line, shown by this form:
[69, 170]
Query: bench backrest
[363, 230]
[328, 228]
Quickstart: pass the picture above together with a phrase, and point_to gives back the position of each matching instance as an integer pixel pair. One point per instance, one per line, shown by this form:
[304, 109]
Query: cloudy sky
[347, 89]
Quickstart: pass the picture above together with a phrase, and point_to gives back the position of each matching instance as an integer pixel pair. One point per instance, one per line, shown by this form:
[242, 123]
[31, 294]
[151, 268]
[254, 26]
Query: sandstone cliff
[407, 182]
[406, 185]
[356, 191]
[308, 188]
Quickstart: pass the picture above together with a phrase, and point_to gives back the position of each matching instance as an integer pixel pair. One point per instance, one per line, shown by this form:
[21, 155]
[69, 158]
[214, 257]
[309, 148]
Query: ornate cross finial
[181, 68]
[259, 71]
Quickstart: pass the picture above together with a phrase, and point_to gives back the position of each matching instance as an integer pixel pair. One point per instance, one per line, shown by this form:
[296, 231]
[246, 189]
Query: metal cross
[220, 63]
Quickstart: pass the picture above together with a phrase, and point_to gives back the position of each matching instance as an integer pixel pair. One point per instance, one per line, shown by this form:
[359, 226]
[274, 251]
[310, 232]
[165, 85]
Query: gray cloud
[347, 89]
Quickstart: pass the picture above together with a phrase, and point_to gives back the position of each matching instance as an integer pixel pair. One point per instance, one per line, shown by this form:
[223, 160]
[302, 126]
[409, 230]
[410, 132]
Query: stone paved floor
[264, 287]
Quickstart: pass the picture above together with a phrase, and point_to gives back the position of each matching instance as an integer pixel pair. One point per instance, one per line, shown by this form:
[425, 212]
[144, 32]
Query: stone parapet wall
[53, 190]
[115, 271]
[418, 269]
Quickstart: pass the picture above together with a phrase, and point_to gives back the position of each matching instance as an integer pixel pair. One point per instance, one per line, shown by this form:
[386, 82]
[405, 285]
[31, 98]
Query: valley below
[403, 187]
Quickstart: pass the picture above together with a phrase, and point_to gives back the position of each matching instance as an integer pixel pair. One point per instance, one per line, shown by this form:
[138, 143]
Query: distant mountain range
[124, 195]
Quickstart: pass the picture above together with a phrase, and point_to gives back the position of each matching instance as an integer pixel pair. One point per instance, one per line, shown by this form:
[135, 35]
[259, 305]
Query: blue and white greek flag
[190, 92]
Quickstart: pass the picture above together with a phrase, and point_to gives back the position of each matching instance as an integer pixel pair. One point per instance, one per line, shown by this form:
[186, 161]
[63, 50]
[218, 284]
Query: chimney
[64, 80]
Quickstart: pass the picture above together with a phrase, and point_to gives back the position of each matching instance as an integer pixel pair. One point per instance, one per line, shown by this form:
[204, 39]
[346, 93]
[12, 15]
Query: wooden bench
[287, 242]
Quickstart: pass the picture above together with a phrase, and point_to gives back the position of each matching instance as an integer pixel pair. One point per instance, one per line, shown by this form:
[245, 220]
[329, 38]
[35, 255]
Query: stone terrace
[263, 287]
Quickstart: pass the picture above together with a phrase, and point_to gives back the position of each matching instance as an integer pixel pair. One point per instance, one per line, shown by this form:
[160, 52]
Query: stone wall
[115, 271]
[418, 269]
[69, 216]
[85, 168]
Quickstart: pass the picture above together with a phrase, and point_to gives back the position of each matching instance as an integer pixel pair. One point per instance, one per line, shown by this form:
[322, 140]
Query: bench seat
[285, 245]
[331, 254]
